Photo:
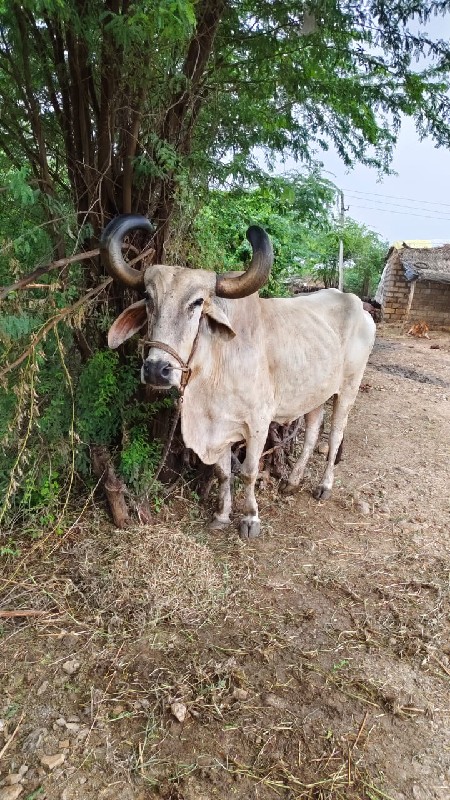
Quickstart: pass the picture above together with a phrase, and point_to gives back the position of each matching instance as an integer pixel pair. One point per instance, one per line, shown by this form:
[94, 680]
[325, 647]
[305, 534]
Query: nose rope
[161, 346]
[185, 375]
[184, 366]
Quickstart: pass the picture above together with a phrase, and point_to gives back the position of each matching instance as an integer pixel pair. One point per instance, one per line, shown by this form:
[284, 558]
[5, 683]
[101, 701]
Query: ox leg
[313, 421]
[341, 409]
[223, 473]
[249, 526]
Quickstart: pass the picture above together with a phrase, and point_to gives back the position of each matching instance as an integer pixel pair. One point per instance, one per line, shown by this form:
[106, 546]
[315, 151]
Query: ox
[241, 361]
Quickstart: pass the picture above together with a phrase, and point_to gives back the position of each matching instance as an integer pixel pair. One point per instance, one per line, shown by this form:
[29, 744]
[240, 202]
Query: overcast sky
[414, 204]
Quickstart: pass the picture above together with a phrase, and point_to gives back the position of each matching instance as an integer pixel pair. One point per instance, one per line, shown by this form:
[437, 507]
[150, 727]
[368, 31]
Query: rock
[23, 770]
[61, 722]
[323, 448]
[73, 726]
[240, 694]
[179, 711]
[64, 744]
[362, 507]
[34, 740]
[53, 761]
[13, 778]
[73, 718]
[3, 725]
[82, 734]
[11, 792]
[43, 688]
[71, 667]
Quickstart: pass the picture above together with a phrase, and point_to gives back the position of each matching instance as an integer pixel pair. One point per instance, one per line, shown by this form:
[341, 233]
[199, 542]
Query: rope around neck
[186, 374]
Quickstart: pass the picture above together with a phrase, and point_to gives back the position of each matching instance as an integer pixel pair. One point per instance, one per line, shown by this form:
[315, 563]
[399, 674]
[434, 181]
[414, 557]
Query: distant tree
[287, 207]
[299, 212]
[364, 254]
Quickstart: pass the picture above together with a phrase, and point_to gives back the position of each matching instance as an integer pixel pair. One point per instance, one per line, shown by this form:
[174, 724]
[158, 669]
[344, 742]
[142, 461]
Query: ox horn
[111, 248]
[257, 272]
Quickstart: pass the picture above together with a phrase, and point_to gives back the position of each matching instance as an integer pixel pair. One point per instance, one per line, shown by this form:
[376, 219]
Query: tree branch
[63, 314]
[61, 262]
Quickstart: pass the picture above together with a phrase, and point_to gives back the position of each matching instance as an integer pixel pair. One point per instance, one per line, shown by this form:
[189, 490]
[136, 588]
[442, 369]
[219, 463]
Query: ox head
[177, 300]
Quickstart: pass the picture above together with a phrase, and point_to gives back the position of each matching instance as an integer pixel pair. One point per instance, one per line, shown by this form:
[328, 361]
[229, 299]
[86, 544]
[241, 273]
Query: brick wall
[431, 300]
[396, 291]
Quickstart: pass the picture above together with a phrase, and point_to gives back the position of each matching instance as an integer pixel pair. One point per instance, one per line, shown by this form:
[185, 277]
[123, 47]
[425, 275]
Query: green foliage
[103, 389]
[297, 212]
[364, 254]
[286, 207]
[107, 413]
[18, 326]
[139, 461]
[200, 86]
[24, 239]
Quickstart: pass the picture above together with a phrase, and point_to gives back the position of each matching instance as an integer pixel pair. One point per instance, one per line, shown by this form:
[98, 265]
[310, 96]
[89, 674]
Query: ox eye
[198, 302]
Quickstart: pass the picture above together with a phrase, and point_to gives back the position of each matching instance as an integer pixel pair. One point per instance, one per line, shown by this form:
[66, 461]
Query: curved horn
[111, 250]
[256, 273]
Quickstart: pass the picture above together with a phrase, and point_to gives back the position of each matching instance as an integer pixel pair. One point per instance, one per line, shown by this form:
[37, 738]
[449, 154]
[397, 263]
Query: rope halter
[183, 365]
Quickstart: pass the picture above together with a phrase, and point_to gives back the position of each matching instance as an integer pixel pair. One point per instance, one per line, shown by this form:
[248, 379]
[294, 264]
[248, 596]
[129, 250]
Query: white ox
[247, 360]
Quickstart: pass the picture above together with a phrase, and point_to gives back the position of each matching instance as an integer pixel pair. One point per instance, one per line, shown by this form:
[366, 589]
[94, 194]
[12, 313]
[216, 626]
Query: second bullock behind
[242, 361]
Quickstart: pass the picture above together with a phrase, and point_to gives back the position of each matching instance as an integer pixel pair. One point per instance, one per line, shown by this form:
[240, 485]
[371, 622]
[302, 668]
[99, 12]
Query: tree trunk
[113, 486]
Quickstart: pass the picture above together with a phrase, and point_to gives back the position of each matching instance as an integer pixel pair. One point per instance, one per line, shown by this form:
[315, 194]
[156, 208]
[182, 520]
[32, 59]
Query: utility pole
[341, 244]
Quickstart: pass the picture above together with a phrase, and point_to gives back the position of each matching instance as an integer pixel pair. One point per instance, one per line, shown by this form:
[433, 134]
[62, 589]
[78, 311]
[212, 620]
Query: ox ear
[128, 323]
[214, 312]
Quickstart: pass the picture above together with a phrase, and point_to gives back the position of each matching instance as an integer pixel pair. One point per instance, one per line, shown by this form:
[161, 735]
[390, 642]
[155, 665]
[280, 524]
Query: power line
[396, 205]
[397, 197]
[405, 213]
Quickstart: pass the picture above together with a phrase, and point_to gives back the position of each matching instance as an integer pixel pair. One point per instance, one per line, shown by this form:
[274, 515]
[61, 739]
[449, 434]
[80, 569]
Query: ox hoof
[289, 488]
[218, 524]
[249, 528]
[321, 493]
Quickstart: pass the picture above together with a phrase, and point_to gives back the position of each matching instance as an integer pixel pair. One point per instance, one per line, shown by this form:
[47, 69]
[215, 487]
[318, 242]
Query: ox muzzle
[159, 372]
[162, 373]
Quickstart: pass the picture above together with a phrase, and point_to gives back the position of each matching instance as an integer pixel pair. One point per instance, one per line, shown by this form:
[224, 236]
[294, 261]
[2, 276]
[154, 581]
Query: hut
[415, 285]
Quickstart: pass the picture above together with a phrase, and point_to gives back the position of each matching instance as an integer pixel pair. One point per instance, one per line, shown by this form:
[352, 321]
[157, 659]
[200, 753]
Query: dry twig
[7, 744]
[26, 612]
[65, 312]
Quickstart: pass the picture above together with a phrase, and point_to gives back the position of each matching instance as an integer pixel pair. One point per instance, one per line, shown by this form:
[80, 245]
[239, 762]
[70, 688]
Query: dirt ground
[172, 662]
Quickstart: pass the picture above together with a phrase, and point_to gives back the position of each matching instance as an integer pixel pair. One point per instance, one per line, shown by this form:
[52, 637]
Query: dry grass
[165, 574]
[139, 576]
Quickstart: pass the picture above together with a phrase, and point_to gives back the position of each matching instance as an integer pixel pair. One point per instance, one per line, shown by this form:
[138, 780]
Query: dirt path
[314, 663]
